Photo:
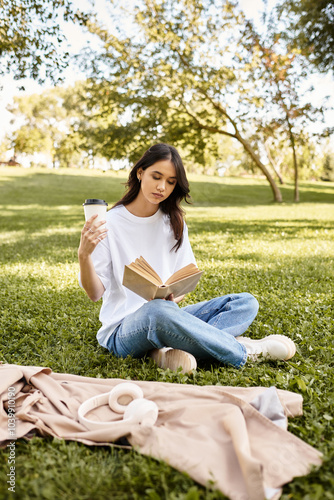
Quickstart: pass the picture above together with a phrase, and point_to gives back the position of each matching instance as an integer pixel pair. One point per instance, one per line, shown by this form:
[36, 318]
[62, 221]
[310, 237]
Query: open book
[141, 278]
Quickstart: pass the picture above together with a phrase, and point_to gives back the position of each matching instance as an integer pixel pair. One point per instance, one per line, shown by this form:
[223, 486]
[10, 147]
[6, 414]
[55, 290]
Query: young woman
[148, 221]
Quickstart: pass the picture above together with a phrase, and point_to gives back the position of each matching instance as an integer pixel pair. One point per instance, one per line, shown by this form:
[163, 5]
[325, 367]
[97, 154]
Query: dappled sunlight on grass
[276, 214]
[283, 254]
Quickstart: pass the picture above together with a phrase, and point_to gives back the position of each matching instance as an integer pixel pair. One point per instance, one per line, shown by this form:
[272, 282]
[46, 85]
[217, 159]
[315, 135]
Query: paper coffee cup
[93, 206]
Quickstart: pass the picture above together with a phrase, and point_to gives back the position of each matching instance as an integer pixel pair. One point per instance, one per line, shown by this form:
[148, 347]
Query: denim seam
[177, 336]
[122, 346]
[216, 321]
[205, 312]
[130, 335]
[133, 333]
[244, 359]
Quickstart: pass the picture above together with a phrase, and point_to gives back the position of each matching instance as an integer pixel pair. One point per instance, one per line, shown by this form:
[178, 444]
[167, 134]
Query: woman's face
[157, 181]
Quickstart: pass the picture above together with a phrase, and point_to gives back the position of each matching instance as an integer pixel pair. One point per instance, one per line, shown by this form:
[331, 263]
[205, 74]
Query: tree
[193, 72]
[183, 78]
[32, 43]
[274, 160]
[310, 27]
[328, 168]
[49, 126]
[283, 72]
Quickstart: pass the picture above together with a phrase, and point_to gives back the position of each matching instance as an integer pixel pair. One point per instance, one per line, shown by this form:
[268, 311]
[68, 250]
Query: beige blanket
[212, 433]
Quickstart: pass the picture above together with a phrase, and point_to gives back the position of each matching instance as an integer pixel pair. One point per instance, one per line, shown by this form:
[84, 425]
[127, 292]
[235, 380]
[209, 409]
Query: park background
[230, 90]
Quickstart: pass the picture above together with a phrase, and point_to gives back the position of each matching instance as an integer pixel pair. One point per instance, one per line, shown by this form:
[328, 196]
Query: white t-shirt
[128, 238]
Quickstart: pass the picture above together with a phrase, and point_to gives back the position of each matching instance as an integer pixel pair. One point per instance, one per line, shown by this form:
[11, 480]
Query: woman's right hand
[91, 235]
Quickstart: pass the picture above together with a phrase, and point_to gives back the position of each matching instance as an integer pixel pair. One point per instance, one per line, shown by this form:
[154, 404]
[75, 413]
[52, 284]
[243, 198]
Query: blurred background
[241, 88]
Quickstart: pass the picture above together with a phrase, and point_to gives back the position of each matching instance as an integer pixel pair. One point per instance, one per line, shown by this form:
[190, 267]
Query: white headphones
[127, 399]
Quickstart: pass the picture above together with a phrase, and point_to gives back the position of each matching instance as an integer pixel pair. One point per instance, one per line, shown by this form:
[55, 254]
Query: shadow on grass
[32, 221]
[46, 320]
[221, 194]
[51, 189]
[50, 325]
[291, 228]
[72, 190]
[54, 249]
[58, 244]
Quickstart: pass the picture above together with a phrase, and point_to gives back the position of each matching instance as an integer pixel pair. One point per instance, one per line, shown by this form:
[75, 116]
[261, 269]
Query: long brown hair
[171, 205]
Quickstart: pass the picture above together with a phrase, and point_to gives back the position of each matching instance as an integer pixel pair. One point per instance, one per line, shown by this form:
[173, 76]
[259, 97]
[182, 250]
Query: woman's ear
[139, 173]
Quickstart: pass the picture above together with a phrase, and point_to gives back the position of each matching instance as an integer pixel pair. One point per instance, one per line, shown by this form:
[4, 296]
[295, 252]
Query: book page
[181, 287]
[139, 284]
[186, 271]
[141, 267]
[138, 278]
[146, 266]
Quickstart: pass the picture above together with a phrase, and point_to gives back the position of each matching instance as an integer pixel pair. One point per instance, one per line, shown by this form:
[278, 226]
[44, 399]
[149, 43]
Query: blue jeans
[207, 329]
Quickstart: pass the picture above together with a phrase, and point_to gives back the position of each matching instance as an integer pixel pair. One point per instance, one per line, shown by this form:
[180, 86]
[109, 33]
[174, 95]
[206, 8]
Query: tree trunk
[294, 155]
[276, 192]
[248, 148]
[273, 164]
[295, 165]
[277, 172]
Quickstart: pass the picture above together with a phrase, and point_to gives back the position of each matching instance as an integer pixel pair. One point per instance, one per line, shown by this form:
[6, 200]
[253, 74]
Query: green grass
[283, 254]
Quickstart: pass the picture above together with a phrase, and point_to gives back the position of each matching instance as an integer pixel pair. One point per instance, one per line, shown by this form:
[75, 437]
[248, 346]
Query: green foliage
[282, 254]
[310, 27]
[179, 80]
[195, 72]
[49, 124]
[328, 167]
[31, 39]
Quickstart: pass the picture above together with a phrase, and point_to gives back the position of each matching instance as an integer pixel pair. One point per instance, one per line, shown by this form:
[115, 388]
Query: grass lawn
[282, 254]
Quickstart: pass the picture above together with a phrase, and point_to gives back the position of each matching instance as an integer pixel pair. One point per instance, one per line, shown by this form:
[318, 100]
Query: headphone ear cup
[141, 411]
[138, 411]
[122, 395]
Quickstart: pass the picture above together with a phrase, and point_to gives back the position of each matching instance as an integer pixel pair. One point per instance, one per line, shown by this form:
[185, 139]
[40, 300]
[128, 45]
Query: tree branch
[219, 108]
[216, 105]
[207, 127]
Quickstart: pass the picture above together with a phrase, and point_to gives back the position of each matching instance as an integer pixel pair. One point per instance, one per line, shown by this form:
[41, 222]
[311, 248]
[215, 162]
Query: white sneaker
[271, 347]
[174, 359]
